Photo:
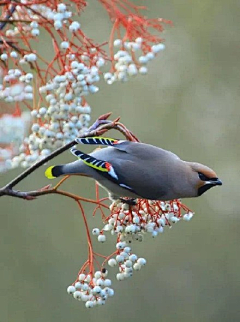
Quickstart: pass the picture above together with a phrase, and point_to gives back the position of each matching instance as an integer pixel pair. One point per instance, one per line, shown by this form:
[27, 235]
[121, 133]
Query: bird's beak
[214, 182]
[208, 185]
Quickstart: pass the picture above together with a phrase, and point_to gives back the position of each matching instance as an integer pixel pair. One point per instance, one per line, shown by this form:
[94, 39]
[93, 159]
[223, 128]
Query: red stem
[90, 248]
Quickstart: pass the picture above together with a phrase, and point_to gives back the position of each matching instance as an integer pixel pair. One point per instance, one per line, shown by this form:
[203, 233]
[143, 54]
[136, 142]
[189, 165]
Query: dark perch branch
[91, 132]
[99, 127]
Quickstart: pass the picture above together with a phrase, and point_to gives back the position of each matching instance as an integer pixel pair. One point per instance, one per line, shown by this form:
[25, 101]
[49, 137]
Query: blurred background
[187, 103]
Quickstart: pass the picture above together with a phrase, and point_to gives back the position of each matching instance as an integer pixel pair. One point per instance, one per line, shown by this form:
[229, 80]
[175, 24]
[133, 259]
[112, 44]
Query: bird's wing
[141, 150]
[102, 167]
[145, 175]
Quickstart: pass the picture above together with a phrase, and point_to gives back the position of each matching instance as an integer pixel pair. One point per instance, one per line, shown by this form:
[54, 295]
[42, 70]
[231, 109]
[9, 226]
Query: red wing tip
[108, 166]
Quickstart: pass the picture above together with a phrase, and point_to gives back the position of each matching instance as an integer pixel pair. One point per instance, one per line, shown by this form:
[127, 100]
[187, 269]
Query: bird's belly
[116, 190]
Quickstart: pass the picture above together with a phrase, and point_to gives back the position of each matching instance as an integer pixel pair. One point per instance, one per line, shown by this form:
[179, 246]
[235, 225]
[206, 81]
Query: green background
[187, 103]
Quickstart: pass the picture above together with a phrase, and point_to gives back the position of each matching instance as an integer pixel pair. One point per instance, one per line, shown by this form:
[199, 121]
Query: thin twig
[14, 21]
[8, 16]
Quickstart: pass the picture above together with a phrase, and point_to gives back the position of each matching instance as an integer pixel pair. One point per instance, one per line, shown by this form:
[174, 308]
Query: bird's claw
[130, 202]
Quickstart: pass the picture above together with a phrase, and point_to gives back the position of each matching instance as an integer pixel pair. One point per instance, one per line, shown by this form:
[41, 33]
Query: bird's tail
[54, 171]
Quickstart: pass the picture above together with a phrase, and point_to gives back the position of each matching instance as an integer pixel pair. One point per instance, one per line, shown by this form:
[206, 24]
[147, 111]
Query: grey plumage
[147, 172]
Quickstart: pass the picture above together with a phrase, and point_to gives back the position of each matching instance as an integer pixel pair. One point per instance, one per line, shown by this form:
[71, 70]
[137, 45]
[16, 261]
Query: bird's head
[205, 177]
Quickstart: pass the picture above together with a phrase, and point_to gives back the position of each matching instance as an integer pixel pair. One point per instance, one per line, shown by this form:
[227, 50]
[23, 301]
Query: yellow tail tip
[48, 173]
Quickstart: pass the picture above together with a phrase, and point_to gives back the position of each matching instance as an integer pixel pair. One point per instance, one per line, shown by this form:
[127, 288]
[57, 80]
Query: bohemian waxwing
[138, 170]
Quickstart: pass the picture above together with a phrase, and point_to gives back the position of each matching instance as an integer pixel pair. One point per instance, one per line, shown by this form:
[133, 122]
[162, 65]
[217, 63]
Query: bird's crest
[198, 167]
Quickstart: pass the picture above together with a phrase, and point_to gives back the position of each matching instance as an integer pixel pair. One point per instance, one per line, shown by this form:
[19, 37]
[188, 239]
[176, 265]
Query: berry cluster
[93, 290]
[16, 88]
[66, 113]
[13, 129]
[128, 224]
[130, 59]
[132, 222]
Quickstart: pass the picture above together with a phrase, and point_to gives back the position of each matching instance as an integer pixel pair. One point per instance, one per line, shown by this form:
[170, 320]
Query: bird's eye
[202, 176]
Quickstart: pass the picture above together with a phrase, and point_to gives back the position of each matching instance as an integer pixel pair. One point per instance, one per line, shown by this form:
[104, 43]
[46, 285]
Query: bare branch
[99, 127]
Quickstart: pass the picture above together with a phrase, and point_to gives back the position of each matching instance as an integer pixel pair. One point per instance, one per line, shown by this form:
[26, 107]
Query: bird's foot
[130, 202]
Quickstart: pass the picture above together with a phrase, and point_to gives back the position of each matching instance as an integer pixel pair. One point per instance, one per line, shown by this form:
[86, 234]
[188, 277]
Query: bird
[133, 170]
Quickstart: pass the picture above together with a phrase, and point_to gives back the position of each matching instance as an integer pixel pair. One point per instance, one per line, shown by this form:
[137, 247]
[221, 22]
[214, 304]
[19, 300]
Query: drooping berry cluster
[132, 222]
[93, 290]
[128, 224]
